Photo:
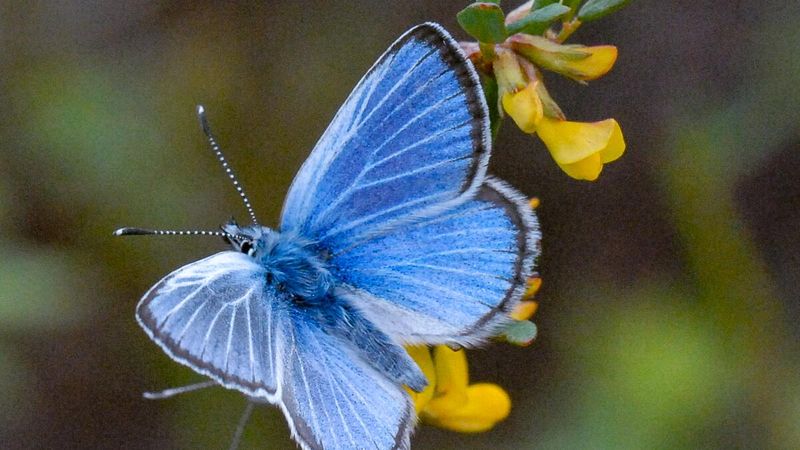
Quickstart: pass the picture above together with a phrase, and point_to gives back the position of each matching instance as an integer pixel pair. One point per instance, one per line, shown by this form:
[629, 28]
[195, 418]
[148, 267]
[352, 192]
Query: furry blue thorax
[293, 263]
[298, 267]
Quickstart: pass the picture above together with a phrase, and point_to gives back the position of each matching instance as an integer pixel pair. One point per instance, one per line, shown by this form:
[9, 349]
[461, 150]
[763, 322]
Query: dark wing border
[518, 209]
[468, 78]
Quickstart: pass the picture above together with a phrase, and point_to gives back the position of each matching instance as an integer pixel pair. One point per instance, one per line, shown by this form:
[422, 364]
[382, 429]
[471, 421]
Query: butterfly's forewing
[449, 278]
[412, 138]
[218, 317]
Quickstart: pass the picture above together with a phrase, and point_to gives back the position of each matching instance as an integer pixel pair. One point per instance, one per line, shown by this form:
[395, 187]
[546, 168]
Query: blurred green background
[669, 312]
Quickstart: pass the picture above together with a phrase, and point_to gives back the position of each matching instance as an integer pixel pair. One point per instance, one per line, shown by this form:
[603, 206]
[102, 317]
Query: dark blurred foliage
[669, 312]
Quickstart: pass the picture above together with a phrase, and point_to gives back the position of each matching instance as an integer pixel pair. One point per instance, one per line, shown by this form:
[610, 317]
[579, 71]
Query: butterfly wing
[451, 278]
[412, 138]
[217, 317]
[334, 399]
[220, 317]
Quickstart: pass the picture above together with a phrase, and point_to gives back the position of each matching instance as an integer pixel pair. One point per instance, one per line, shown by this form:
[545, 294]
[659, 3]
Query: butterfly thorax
[293, 263]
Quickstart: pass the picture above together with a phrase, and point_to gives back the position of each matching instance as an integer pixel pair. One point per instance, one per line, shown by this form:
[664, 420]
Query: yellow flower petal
[580, 148]
[586, 169]
[601, 59]
[422, 356]
[532, 287]
[616, 145]
[524, 310]
[574, 61]
[452, 377]
[486, 405]
[525, 107]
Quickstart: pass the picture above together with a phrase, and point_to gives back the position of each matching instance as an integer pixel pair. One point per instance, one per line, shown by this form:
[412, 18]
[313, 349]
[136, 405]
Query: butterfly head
[246, 239]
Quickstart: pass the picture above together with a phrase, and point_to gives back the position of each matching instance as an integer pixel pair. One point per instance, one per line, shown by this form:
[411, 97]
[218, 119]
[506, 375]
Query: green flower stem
[567, 28]
[487, 52]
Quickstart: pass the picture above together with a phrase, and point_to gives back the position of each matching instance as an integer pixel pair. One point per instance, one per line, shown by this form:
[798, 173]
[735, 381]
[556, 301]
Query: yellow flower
[524, 106]
[449, 401]
[574, 61]
[580, 148]
[518, 89]
[527, 307]
[422, 356]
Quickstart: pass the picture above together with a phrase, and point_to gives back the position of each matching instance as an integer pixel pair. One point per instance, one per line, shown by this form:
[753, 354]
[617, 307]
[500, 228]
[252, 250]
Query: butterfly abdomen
[343, 320]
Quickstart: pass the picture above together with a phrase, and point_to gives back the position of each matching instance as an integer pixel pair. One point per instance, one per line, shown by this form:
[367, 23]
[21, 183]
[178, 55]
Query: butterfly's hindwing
[449, 278]
[335, 399]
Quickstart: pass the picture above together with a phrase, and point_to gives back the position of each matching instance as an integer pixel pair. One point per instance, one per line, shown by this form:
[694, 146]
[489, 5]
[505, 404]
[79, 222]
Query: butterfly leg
[237, 435]
[167, 393]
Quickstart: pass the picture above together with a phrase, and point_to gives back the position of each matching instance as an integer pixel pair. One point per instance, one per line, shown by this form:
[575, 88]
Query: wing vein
[312, 411]
[182, 303]
[234, 307]
[473, 273]
[352, 408]
[211, 327]
[354, 185]
[397, 85]
[408, 173]
[250, 342]
[434, 287]
[468, 250]
[427, 139]
[344, 227]
[191, 320]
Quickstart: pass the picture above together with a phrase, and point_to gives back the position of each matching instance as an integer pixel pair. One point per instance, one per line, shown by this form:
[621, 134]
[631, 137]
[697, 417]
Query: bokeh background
[669, 311]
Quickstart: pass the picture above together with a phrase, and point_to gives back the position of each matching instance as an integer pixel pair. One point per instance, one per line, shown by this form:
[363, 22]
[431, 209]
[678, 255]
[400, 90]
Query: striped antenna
[133, 231]
[201, 114]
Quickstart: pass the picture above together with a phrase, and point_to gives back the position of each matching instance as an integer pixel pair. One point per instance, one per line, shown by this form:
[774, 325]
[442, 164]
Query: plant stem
[567, 28]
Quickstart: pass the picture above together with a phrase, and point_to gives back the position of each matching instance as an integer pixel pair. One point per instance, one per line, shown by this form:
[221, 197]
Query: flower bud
[574, 61]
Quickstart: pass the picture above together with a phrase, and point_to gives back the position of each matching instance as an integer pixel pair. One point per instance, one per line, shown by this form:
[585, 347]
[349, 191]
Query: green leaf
[520, 332]
[537, 4]
[595, 9]
[539, 20]
[484, 21]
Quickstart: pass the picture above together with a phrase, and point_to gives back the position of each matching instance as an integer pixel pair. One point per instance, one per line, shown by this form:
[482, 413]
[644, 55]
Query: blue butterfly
[391, 234]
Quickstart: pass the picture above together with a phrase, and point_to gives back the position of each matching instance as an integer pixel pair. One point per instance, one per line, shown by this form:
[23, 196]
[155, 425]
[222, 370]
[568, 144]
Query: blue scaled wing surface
[450, 278]
[412, 138]
[220, 317]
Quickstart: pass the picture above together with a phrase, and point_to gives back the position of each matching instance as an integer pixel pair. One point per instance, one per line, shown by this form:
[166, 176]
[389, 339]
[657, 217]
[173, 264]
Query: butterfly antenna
[133, 231]
[237, 436]
[201, 114]
[167, 393]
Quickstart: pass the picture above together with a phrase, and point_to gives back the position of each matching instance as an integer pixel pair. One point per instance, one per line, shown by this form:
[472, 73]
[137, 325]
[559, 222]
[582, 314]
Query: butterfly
[391, 233]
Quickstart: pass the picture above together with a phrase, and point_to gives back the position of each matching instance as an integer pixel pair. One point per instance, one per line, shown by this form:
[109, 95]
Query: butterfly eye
[247, 248]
